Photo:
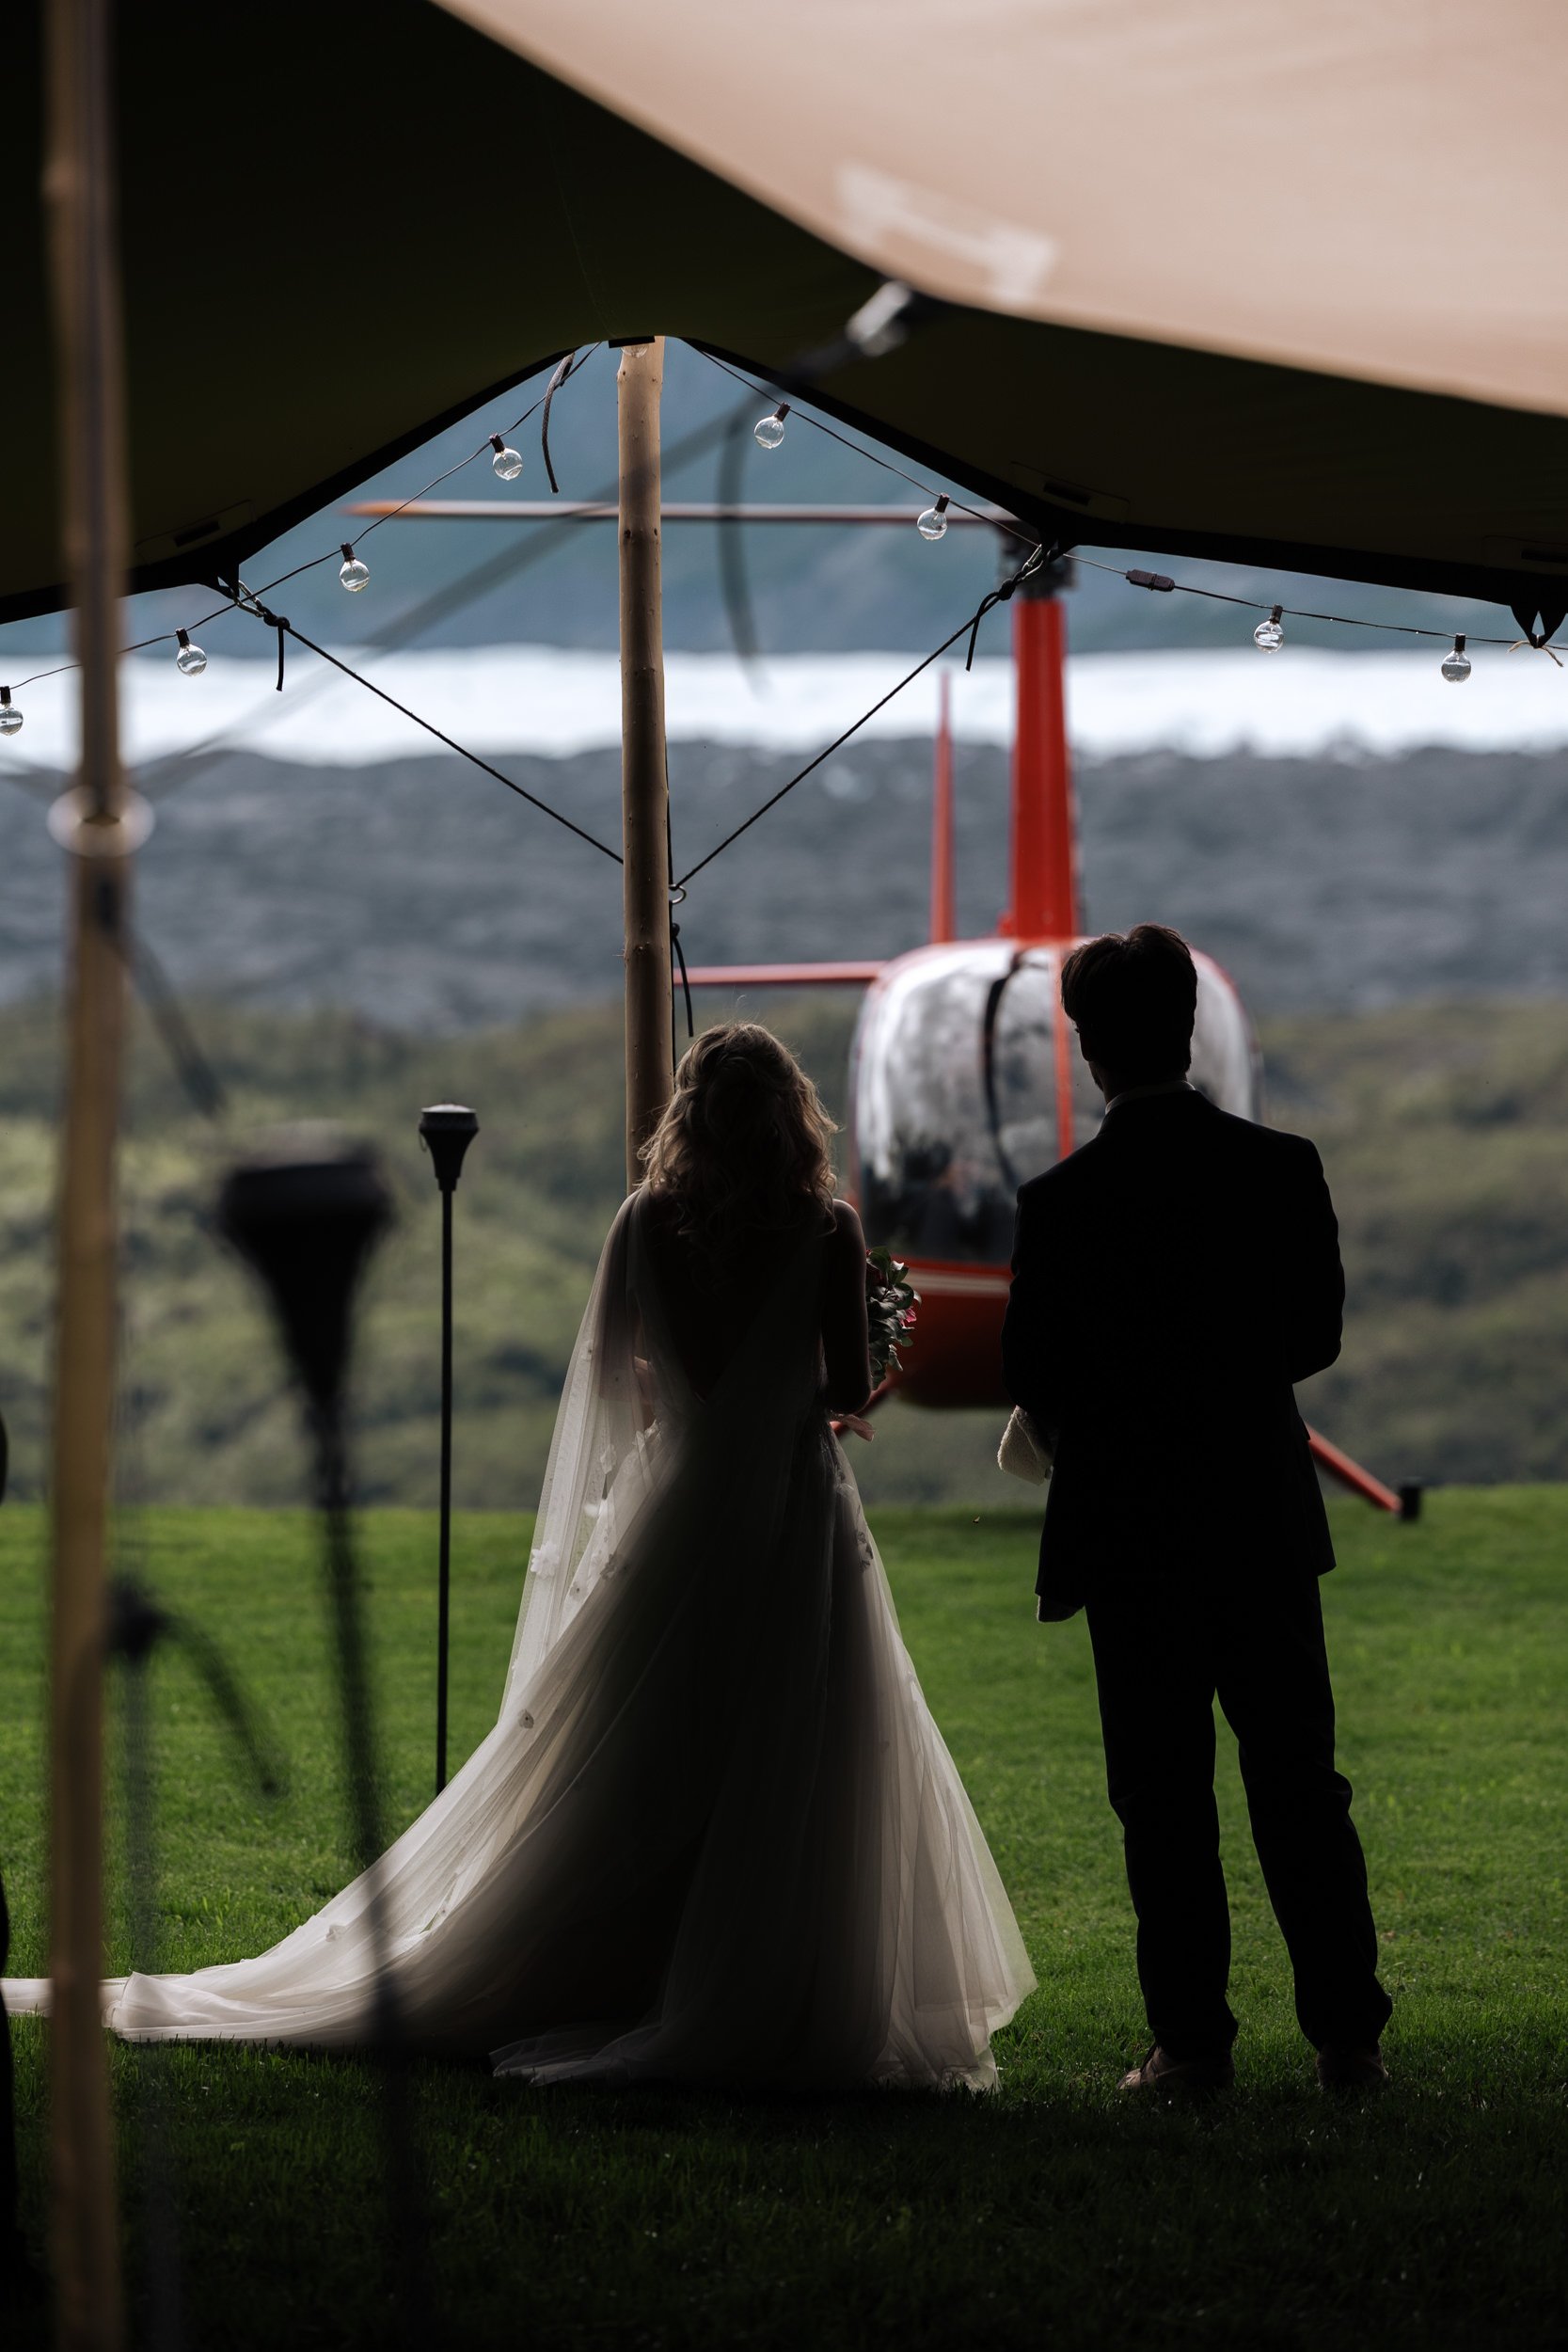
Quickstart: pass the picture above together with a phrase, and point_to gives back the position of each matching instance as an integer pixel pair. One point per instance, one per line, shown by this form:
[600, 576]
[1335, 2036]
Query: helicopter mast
[1044, 880]
[944, 922]
[1044, 883]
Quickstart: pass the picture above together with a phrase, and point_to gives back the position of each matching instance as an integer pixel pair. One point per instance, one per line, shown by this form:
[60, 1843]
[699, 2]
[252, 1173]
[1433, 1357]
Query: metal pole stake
[446, 1129]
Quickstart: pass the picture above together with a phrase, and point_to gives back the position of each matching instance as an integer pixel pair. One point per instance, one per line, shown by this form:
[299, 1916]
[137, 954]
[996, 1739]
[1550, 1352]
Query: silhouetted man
[1171, 1281]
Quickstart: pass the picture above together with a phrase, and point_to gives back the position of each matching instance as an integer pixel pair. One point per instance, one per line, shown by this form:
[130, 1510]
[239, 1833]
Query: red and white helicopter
[965, 1078]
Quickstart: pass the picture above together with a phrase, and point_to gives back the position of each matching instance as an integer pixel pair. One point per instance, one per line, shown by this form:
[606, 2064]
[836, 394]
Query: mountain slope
[1445, 1132]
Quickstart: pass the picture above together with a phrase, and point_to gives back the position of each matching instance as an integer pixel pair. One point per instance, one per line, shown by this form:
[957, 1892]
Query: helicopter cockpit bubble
[958, 1092]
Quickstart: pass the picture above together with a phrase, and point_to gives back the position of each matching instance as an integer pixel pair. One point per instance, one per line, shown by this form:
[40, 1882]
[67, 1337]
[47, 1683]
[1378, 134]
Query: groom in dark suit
[1171, 1281]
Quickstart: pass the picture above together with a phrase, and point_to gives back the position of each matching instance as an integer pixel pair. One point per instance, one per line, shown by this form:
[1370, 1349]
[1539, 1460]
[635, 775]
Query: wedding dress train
[714, 1834]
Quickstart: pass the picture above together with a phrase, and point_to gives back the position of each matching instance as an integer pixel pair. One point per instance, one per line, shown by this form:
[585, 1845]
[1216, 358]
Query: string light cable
[186, 764]
[183, 767]
[434, 606]
[507, 471]
[507, 464]
[1161, 583]
[768, 432]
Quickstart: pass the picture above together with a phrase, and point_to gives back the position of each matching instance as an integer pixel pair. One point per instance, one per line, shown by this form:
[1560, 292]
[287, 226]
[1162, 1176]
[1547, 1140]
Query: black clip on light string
[246, 601]
[171, 636]
[563, 370]
[677, 896]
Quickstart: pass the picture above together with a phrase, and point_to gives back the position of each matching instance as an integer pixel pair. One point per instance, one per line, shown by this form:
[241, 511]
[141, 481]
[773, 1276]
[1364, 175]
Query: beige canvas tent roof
[1223, 280]
[1363, 187]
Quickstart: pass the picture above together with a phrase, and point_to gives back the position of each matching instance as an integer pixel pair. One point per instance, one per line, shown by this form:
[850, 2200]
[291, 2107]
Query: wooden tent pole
[645, 784]
[79, 192]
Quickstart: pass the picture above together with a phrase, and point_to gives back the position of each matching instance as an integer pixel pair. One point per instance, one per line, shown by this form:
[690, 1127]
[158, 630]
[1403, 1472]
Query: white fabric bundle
[1023, 1452]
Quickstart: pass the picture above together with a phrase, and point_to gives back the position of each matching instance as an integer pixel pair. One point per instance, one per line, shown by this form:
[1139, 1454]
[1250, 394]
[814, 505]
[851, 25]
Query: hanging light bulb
[352, 574]
[768, 432]
[1268, 635]
[933, 523]
[507, 464]
[11, 718]
[189, 659]
[1456, 665]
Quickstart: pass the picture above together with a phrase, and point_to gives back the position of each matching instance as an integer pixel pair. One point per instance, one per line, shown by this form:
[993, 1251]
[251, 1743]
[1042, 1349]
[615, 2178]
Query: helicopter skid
[955, 1359]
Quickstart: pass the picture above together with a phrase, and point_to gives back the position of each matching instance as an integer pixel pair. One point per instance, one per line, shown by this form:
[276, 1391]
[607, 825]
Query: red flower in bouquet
[891, 1300]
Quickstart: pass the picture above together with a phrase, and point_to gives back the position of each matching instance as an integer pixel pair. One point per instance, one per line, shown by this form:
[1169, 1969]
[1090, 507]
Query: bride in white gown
[715, 1836]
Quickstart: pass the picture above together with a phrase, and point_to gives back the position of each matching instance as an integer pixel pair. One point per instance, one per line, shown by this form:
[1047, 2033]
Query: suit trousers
[1165, 1645]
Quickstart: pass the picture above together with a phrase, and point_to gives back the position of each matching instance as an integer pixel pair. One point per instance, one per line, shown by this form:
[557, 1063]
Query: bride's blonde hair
[744, 1142]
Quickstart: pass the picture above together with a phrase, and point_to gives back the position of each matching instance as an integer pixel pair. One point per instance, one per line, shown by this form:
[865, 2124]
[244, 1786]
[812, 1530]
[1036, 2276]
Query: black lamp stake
[446, 1129]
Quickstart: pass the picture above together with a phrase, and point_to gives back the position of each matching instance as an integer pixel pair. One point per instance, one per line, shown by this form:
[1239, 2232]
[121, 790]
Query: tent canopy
[1227, 284]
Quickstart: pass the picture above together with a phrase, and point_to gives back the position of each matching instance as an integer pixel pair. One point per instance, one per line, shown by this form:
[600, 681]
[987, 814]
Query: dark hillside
[1445, 1130]
[425, 896]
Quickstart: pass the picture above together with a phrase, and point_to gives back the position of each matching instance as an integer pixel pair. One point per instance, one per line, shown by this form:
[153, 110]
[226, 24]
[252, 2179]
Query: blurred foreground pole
[79, 196]
[645, 780]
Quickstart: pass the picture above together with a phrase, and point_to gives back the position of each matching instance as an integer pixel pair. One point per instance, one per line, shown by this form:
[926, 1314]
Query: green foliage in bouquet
[891, 1300]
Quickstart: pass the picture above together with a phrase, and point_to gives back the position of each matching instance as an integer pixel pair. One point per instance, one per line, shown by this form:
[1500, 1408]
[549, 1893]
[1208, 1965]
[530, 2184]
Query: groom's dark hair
[1134, 1001]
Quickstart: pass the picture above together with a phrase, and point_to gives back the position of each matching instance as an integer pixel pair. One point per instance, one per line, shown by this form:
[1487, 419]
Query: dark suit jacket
[1171, 1280]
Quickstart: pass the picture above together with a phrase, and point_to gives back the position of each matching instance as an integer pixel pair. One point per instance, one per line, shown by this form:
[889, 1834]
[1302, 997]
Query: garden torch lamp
[446, 1130]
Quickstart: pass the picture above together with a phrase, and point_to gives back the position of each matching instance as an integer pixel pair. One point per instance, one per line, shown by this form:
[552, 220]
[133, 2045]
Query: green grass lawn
[1050, 2214]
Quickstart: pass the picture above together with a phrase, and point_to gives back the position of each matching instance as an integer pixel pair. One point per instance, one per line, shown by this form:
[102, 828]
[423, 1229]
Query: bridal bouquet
[891, 1300]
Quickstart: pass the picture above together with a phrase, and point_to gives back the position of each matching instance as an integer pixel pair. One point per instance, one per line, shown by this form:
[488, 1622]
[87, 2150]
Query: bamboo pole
[645, 784]
[79, 192]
